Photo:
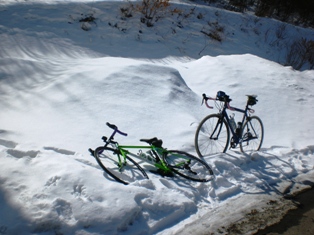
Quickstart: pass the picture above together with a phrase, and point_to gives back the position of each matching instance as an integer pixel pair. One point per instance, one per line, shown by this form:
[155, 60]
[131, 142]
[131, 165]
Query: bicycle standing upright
[214, 131]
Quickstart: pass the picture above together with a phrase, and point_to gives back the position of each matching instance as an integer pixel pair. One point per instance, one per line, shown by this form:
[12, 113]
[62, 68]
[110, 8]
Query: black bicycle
[117, 160]
[213, 133]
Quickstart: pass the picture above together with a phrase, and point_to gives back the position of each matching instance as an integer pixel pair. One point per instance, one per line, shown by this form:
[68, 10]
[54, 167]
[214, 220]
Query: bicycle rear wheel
[212, 136]
[188, 166]
[124, 171]
[252, 135]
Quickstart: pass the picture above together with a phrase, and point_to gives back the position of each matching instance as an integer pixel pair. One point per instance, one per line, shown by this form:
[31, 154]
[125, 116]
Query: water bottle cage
[232, 123]
[238, 129]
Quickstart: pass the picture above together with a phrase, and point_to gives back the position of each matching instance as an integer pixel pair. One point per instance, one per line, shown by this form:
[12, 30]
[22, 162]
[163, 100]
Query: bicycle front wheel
[212, 136]
[188, 166]
[124, 171]
[252, 135]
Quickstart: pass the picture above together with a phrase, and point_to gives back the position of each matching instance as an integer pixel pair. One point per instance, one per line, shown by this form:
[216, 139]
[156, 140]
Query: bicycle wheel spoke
[122, 170]
[212, 136]
[252, 135]
[188, 166]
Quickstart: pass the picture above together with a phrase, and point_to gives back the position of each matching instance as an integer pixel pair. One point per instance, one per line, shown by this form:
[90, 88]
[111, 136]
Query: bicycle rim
[212, 136]
[252, 135]
[188, 166]
[124, 171]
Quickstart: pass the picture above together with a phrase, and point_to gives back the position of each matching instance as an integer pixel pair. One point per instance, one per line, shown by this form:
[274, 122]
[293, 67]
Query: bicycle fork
[121, 160]
[218, 126]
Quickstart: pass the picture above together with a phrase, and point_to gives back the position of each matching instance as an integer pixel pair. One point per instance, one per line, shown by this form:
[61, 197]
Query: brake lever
[204, 98]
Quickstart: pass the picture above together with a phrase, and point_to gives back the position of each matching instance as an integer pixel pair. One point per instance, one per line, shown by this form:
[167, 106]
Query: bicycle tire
[252, 135]
[108, 160]
[188, 166]
[206, 146]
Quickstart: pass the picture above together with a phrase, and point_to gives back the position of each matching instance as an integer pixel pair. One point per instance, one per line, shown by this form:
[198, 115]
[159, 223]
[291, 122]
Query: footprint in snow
[53, 181]
[63, 209]
[8, 143]
[79, 191]
[62, 151]
[20, 154]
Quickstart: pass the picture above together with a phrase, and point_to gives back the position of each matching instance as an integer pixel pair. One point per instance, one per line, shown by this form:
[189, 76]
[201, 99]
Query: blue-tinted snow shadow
[12, 220]
[263, 172]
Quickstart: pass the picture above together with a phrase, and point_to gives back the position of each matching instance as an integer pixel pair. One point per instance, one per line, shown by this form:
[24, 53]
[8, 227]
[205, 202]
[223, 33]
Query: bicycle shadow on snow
[196, 191]
[174, 180]
[235, 174]
[266, 172]
[150, 195]
[263, 172]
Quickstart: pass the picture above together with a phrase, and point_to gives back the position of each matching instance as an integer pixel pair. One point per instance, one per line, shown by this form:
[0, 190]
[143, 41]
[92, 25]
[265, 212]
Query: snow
[59, 85]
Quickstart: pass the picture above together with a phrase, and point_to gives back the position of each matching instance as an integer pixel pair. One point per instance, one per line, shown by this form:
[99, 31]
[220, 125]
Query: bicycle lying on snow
[213, 133]
[116, 160]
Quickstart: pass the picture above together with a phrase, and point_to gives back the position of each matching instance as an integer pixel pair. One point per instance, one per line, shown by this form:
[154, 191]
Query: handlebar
[115, 128]
[225, 99]
[205, 98]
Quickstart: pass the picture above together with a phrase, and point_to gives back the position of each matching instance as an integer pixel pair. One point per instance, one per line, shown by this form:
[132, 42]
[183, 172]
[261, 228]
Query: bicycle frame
[236, 137]
[154, 158]
[118, 160]
[218, 131]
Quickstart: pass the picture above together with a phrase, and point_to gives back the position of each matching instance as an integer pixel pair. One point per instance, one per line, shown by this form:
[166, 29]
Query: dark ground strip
[298, 221]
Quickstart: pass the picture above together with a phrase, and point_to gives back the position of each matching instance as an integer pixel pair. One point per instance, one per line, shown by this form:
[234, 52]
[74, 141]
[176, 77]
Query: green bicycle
[116, 160]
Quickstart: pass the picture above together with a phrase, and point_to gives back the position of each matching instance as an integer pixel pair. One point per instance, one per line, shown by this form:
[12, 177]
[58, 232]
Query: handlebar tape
[112, 126]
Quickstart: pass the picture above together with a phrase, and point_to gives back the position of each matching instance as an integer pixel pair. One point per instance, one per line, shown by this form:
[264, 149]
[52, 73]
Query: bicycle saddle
[153, 141]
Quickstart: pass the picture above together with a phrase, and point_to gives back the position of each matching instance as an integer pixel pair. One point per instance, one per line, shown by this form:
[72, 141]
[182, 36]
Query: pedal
[233, 143]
